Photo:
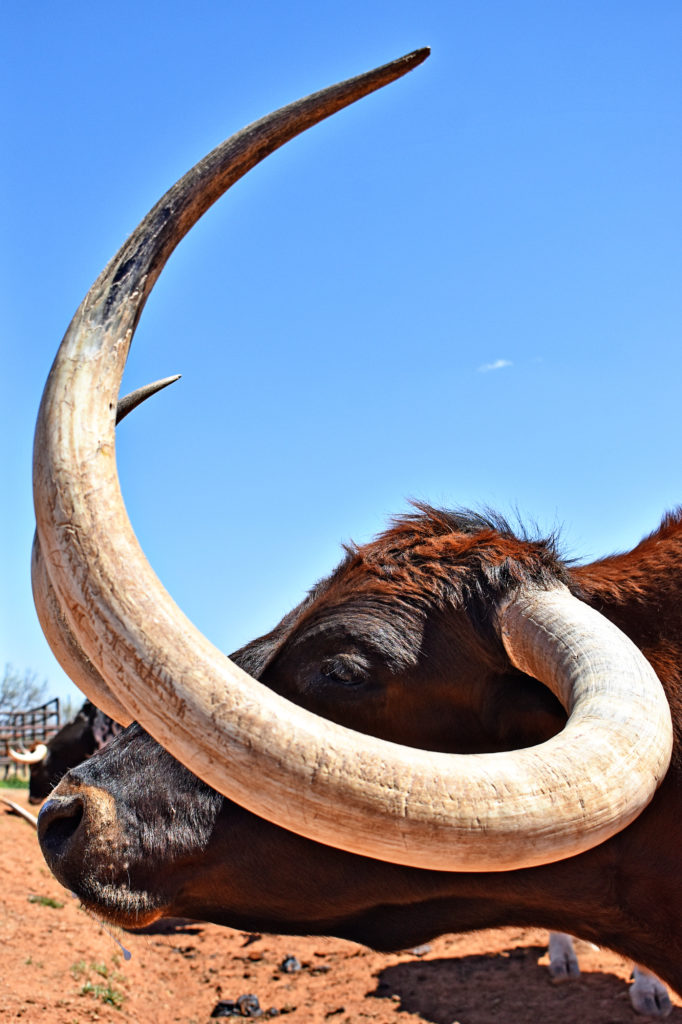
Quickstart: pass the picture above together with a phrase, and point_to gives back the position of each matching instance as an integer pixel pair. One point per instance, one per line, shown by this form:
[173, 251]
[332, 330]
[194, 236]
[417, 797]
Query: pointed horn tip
[130, 401]
[419, 55]
[411, 60]
[158, 385]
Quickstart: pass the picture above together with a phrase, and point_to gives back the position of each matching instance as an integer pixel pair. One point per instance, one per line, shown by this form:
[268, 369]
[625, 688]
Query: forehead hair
[427, 559]
[434, 557]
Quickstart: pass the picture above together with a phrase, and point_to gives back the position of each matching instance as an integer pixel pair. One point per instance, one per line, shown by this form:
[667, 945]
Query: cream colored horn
[451, 812]
[35, 756]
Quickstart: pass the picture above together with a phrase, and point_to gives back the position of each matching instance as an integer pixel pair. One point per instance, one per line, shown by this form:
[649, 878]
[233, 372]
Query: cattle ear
[104, 729]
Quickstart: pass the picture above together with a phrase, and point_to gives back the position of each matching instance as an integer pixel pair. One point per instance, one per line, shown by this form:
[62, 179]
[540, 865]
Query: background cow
[89, 731]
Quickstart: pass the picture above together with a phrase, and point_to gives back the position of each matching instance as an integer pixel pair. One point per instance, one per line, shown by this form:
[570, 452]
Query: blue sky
[464, 289]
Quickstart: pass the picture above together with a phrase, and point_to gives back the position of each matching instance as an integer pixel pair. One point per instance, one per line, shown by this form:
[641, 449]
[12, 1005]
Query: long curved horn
[54, 623]
[453, 812]
[35, 756]
[64, 645]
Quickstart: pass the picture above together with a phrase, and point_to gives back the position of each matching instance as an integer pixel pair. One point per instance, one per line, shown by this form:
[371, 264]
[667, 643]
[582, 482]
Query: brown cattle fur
[399, 642]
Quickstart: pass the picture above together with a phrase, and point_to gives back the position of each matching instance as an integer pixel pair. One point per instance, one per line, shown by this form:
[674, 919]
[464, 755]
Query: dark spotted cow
[88, 732]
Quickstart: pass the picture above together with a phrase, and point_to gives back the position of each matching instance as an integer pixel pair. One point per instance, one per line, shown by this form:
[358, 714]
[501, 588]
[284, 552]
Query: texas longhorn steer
[455, 730]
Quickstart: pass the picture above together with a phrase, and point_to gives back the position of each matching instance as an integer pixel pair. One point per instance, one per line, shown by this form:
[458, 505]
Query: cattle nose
[58, 823]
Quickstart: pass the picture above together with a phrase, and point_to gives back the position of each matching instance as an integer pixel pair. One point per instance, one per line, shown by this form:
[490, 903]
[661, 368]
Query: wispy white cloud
[499, 364]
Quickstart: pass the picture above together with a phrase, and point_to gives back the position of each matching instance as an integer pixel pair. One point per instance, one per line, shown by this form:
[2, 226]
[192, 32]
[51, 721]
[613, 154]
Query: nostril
[58, 822]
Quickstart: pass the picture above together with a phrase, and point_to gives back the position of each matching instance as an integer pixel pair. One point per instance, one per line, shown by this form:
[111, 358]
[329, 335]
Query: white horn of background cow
[35, 756]
[453, 812]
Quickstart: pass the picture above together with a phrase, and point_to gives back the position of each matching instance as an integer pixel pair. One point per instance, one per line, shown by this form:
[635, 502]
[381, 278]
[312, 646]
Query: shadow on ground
[508, 986]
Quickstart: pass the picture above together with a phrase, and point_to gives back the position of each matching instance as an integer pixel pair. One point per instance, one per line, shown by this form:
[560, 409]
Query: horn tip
[415, 58]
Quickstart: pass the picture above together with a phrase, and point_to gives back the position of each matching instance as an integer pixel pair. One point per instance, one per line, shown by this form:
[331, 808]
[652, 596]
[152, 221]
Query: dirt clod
[290, 965]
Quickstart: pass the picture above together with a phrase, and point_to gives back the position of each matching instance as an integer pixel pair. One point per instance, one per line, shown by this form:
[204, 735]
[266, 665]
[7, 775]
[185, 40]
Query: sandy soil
[58, 964]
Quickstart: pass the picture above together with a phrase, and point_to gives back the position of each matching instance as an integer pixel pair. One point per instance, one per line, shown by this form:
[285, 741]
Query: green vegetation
[14, 782]
[46, 901]
[100, 969]
[106, 993]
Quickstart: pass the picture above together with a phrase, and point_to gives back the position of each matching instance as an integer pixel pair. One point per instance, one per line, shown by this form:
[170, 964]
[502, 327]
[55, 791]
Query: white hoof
[563, 963]
[648, 995]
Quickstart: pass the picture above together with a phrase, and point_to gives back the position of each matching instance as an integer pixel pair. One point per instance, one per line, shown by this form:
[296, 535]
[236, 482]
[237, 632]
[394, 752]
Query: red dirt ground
[57, 964]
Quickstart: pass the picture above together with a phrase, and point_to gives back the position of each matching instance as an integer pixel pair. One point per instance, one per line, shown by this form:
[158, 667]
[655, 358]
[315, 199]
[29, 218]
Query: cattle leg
[563, 963]
[648, 994]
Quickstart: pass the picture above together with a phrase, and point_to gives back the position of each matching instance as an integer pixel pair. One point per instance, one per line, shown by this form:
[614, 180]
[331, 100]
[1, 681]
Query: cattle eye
[343, 669]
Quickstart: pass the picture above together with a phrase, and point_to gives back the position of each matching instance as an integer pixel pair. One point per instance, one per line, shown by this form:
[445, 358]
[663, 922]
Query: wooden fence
[23, 729]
